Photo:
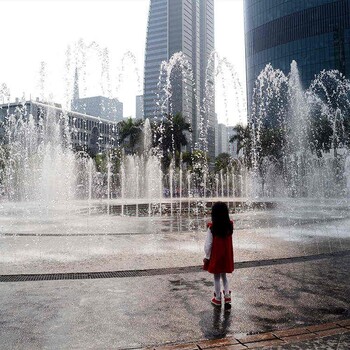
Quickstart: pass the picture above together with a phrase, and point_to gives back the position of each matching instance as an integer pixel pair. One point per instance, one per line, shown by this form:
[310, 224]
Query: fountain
[297, 172]
[59, 212]
[40, 166]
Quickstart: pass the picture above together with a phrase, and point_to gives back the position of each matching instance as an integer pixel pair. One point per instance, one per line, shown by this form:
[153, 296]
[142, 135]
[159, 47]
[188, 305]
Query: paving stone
[292, 331]
[322, 326]
[333, 331]
[256, 337]
[96, 313]
[344, 323]
[212, 343]
[233, 347]
[177, 347]
[300, 337]
[259, 344]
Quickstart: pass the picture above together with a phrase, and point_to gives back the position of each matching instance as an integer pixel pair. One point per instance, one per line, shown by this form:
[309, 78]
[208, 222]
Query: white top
[208, 244]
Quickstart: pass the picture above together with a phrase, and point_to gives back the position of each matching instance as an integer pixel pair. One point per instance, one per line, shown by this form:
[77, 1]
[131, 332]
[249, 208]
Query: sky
[36, 31]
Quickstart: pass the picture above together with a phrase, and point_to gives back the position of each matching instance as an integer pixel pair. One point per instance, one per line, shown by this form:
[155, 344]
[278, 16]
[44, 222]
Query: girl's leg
[217, 285]
[225, 283]
[227, 293]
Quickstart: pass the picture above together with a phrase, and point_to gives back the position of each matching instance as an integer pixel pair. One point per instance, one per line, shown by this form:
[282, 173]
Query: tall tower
[314, 33]
[175, 26]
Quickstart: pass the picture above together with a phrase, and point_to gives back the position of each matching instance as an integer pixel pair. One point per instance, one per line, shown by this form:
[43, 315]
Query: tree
[170, 137]
[130, 132]
[322, 135]
[330, 89]
[179, 127]
[243, 136]
[272, 142]
[4, 154]
[268, 141]
[101, 160]
[222, 162]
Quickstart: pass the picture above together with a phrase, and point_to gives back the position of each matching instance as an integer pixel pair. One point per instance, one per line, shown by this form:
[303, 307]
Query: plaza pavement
[173, 311]
[290, 288]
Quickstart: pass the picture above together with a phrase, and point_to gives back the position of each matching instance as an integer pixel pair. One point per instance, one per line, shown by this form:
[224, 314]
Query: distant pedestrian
[219, 252]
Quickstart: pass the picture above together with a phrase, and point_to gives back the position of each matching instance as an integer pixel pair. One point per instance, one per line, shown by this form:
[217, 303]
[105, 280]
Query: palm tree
[180, 126]
[222, 162]
[243, 136]
[171, 136]
[174, 132]
[130, 131]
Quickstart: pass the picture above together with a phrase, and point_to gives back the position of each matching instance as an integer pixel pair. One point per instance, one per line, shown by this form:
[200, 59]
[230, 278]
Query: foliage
[101, 162]
[199, 165]
[268, 143]
[115, 156]
[321, 135]
[222, 162]
[4, 153]
[272, 141]
[346, 128]
[130, 133]
[270, 98]
[170, 137]
[243, 136]
[330, 91]
[187, 158]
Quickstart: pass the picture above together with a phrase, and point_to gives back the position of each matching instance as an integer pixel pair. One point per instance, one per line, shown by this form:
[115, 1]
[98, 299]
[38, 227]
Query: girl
[219, 251]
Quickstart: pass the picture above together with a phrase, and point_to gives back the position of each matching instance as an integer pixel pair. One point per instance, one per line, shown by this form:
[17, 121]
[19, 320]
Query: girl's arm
[208, 244]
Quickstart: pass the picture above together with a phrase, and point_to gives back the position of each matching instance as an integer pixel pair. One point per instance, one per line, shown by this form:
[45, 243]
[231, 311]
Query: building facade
[87, 132]
[222, 143]
[96, 106]
[185, 26]
[232, 146]
[139, 107]
[99, 106]
[314, 33]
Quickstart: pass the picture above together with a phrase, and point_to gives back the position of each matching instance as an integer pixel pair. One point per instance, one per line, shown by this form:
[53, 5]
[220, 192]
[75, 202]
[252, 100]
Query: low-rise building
[88, 133]
[99, 106]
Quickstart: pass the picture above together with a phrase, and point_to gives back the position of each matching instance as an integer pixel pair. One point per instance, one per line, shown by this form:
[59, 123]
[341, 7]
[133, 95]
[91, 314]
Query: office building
[185, 26]
[139, 107]
[99, 106]
[222, 139]
[96, 106]
[87, 132]
[314, 33]
[232, 146]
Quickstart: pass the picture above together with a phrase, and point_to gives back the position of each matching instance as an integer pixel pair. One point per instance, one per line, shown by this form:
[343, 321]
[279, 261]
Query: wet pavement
[138, 312]
[133, 244]
[63, 239]
[331, 335]
[293, 272]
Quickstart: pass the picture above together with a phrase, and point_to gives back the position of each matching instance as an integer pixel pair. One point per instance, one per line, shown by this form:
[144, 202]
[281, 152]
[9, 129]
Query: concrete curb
[273, 338]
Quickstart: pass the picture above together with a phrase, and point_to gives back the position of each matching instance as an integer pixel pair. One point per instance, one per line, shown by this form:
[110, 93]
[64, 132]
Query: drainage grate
[31, 234]
[163, 271]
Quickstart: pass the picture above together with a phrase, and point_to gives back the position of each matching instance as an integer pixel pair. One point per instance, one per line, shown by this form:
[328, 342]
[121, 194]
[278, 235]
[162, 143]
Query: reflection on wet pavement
[32, 241]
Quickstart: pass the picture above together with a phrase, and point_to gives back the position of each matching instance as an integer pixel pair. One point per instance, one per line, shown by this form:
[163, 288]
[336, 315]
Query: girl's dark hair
[221, 224]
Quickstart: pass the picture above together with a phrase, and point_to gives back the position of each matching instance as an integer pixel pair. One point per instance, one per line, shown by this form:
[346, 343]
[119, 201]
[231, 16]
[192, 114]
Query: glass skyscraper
[314, 33]
[185, 26]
